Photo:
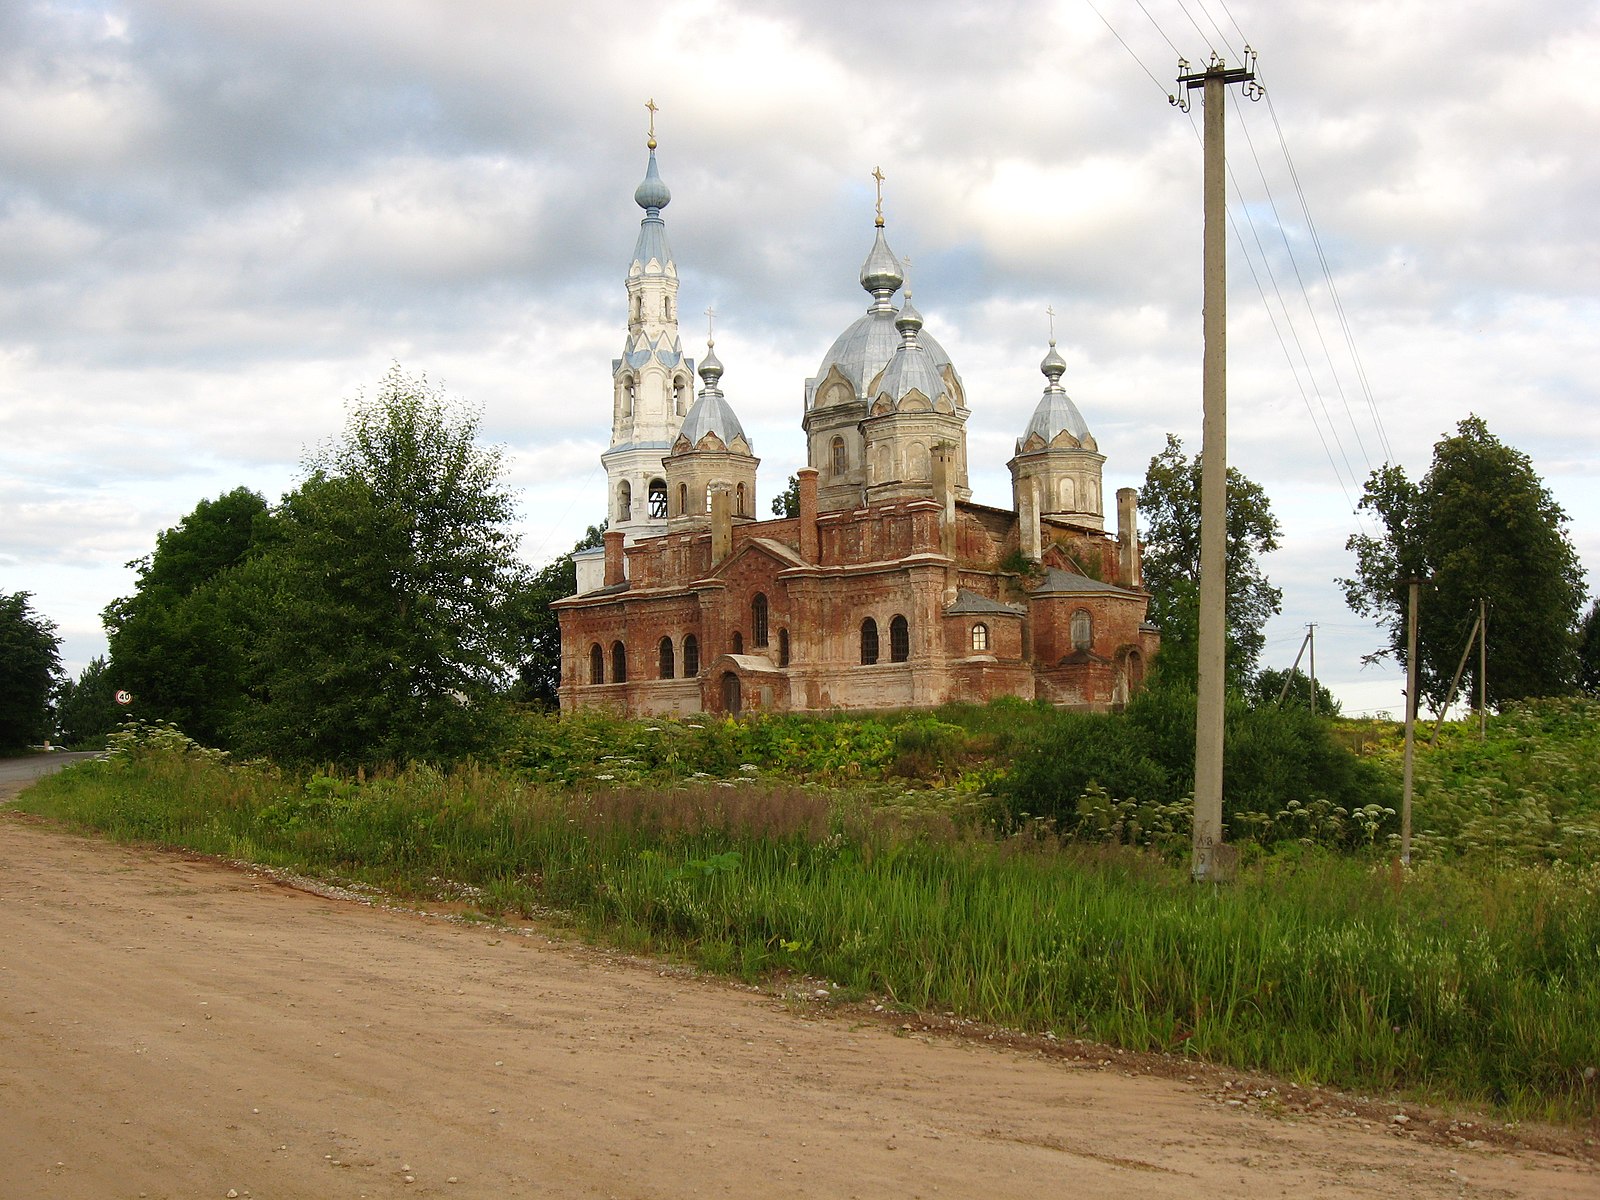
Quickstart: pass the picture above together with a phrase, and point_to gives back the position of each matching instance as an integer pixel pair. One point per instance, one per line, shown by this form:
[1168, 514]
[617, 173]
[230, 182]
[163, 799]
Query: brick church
[887, 587]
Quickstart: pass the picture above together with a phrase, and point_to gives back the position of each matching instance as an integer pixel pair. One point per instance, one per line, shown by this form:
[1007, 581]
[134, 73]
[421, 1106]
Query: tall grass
[1482, 988]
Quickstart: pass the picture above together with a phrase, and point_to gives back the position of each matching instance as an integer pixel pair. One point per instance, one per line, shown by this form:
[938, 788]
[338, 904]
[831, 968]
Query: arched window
[738, 503]
[899, 639]
[783, 647]
[668, 663]
[869, 642]
[619, 663]
[683, 499]
[1082, 630]
[980, 637]
[624, 501]
[738, 642]
[597, 664]
[691, 656]
[840, 463]
[658, 499]
[680, 395]
[758, 620]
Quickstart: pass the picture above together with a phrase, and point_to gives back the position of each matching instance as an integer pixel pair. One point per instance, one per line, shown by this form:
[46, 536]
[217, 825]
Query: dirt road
[175, 1028]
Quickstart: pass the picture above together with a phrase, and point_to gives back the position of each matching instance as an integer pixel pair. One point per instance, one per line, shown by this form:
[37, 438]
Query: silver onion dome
[1055, 411]
[866, 347]
[912, 368]
[711, 412]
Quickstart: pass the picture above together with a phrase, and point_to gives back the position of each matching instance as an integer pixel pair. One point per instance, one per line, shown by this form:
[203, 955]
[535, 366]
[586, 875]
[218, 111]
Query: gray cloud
[221, 220]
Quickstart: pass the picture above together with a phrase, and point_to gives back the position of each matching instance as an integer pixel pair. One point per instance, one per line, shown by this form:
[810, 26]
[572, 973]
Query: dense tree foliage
[1589, 651]
[1169, 505]
[539, 673]
[174, 642]
[787, 502]
[1267, 687]
[382, 622]
[86, 707]
[30, 666]
[1480, 524]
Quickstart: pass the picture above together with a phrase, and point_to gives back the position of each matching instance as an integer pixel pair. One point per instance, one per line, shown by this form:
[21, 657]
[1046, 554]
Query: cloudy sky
[219, 221]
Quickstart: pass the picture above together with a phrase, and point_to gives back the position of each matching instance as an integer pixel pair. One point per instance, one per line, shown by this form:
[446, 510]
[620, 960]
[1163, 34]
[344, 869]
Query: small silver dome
[1055, 411]
[711, 412]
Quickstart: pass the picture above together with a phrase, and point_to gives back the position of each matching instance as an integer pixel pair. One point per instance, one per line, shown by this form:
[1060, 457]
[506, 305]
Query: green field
[900, 858]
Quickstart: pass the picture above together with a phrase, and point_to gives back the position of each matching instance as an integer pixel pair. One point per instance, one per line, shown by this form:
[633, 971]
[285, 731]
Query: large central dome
[866, 347]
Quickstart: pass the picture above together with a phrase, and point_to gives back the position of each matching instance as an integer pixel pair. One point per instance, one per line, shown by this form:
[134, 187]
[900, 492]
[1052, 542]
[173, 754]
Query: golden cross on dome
[877, 173]
[651, 105]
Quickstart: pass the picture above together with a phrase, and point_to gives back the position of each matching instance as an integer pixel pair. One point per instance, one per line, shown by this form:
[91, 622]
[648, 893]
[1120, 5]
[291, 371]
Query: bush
[1129, 777]
[1077, 752]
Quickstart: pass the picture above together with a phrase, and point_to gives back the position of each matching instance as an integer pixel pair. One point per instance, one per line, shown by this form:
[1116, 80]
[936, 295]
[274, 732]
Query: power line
[1222, 37]
[1129, 48]
[1312, 313]
[1316, 240]
[1197, 28]
[1158, 29]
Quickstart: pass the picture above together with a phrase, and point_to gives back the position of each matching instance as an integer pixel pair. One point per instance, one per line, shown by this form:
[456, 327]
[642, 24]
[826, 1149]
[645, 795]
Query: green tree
[1589, 651]
[30, 667]
[174, 642]
[1479, 525]
[539, 674]
[383, 619]
[1169, 504]
[1267, 686]
[86, 707]
[787, 502]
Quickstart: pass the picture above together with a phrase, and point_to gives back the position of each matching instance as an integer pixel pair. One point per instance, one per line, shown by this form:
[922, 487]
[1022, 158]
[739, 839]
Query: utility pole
[1483, 668]
[1289, 677]
[1212, 860]
[1311, 641]
[1411, 720]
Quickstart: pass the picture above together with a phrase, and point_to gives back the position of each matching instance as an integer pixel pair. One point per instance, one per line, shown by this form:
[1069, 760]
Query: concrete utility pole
[1415, 587]
[1213, 860]
[1483, 668]
[1311, 642]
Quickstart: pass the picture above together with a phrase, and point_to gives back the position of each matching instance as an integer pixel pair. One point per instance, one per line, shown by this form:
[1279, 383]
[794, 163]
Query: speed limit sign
[122, 697]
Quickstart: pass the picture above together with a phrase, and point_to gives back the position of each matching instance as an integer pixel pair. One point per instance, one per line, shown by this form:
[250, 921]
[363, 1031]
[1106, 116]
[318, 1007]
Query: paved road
[18, 773]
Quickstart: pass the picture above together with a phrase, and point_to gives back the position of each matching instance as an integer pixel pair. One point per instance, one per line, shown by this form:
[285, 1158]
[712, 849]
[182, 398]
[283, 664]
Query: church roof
[652, 195]
[912, 367]
[970, 603]
[1066, 583]
[711, 412]
[1055, 411]
[866, 347]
